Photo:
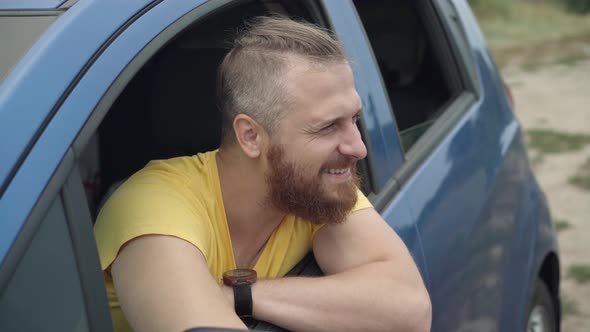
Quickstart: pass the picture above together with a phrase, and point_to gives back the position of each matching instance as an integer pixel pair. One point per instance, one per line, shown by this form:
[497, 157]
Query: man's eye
[328, 127]
[355, 119]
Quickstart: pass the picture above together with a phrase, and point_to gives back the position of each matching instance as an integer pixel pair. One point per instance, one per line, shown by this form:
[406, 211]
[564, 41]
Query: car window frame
[379, 193]
[451, 44]
[450, 47]
[138, 61]
[168, 34]
[384, 152]
[46, 118]
[365, 167]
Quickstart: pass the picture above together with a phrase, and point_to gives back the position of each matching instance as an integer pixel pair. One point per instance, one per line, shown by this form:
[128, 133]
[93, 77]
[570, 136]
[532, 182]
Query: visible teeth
[337, 171]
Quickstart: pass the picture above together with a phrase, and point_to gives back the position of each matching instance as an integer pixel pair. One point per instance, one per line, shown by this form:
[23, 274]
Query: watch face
[240, 273]
[232, 277]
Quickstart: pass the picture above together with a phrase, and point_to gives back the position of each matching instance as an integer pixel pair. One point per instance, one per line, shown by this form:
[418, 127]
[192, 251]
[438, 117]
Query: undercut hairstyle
[250, 78]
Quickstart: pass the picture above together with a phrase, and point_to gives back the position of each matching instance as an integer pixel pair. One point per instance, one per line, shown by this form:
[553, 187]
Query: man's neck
[250, 219]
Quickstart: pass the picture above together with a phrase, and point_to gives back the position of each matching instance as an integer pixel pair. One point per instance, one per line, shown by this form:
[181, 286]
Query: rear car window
[410, 64]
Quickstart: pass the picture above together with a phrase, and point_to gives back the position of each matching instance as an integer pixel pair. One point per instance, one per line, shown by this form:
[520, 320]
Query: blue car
[91, 90]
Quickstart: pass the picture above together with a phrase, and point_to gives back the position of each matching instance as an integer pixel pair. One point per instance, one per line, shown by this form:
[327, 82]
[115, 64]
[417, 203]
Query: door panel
[45, 284]
[466, 201]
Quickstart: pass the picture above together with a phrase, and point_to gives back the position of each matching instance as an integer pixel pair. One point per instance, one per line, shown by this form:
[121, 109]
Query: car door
[50, 278]
[472, 198]
[464, 167]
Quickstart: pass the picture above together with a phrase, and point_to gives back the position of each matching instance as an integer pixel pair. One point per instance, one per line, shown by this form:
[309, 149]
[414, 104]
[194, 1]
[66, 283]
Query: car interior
[408, 63]
[169, 107]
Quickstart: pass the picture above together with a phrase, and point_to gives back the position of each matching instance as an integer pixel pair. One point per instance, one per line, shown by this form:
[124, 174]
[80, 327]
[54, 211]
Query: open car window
[418, 65]
[168, 106]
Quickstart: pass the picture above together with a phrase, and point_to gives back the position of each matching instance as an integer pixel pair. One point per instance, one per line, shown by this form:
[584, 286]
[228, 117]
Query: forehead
[320, 89]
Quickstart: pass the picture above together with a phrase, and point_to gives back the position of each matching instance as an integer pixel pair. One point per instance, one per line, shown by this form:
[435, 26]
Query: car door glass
[410, 64]
[46, 284]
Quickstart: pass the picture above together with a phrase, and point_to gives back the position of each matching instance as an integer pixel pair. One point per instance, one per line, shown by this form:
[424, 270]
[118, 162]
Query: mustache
[341, 162]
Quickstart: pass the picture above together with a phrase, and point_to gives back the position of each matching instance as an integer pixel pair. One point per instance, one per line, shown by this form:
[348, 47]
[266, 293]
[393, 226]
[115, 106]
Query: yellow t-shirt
[181, 197]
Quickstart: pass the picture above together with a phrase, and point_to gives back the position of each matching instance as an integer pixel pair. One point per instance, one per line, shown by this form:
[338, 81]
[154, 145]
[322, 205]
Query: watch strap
[243, 301]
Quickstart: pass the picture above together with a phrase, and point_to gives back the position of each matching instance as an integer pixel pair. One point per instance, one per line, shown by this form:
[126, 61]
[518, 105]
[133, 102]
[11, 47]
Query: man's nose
[351, 144]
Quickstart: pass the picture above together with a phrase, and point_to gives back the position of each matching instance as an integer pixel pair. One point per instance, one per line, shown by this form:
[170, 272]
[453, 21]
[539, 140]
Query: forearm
[361, 299]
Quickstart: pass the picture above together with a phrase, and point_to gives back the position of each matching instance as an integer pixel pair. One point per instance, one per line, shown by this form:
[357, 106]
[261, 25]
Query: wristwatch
[241, 281]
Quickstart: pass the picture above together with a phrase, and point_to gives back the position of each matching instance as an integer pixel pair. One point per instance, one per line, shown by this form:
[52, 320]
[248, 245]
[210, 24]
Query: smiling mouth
[338, 175]
[337, 171]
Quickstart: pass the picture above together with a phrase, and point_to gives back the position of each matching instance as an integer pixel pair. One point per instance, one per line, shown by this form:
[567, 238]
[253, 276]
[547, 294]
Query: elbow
[420, 320]
[424, 314]
[414, 315]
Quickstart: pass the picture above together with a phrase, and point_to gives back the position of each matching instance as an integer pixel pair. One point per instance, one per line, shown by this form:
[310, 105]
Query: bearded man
[283, 182]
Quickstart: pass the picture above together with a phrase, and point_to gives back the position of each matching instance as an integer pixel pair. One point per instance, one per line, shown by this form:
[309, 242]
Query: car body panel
[474, 220]
[475, 210]
[36, 84]
[399, 216]
[65, 125]
[539, 244]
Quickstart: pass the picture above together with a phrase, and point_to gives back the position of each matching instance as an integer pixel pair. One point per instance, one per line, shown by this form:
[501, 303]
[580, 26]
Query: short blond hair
[250, 80]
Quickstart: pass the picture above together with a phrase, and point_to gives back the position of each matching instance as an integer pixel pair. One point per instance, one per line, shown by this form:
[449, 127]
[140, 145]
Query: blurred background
[542, 48]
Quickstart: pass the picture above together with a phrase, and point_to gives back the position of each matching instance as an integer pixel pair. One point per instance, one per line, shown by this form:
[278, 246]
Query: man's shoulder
[183, 171]
[159, 199]
[184, 178]
[182, 165]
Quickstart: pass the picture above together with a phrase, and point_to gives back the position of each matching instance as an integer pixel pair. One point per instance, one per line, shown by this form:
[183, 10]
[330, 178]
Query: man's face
[311, 160]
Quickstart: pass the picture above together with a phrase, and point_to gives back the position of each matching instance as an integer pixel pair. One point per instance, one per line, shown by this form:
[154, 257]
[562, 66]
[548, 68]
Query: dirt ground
[557, 97]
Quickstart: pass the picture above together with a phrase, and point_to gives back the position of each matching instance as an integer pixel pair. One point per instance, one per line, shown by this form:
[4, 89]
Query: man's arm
[163, 284]
[371, 284]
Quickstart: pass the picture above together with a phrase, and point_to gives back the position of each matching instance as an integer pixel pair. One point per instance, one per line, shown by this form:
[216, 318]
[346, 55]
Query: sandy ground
[557, 97]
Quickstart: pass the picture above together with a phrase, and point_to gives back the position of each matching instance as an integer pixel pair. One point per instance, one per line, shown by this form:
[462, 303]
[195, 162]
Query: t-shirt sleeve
[143, 208]
[362, 202]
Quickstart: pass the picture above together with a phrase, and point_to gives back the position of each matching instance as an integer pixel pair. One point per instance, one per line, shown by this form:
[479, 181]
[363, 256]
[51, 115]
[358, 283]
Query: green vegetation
[531, 66]
[561, 225]
[582, 177]
[570, 59]
[580, 273]
[537, 159]
[533, 33]
[550, 141]
[490, 9]
[568, 306]
[577, 6]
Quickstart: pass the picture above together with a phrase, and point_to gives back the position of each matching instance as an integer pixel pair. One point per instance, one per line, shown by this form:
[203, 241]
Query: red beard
[295, 191]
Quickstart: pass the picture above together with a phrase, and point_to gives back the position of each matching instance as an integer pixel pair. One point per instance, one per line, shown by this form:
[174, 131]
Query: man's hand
[163, 284]
[371, 284]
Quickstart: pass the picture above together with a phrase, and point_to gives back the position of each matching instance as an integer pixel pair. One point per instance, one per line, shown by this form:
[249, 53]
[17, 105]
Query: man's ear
[249, 134]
